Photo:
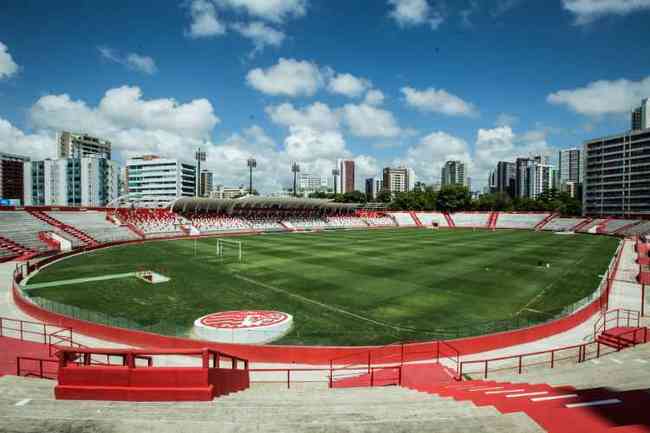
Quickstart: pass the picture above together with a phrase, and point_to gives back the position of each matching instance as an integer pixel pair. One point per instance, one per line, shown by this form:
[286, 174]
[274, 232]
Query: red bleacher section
[85, 238]
[581, 225]
[19, 251]
[560, 409]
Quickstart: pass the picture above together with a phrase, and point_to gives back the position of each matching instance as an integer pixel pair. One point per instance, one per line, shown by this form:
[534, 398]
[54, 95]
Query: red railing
[288, 375]
[619, 316]
[40, 370]
[639, 336]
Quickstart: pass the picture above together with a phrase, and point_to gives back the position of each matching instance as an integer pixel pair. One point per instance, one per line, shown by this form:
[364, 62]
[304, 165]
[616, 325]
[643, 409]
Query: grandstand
[389, 393]
[471, 219]
[428, 219]
[563, 224]
[519, 220]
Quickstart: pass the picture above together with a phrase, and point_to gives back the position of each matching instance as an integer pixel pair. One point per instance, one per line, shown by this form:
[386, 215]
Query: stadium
[506, 321]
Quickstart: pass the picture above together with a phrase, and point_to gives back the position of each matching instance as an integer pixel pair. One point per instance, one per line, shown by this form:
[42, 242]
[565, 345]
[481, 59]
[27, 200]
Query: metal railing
[619, 316]
[41, 369]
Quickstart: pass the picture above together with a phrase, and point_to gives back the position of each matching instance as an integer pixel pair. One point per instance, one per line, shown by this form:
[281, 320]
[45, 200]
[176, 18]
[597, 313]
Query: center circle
[247, 326]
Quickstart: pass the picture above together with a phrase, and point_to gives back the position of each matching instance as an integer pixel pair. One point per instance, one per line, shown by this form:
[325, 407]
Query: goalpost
[229, 248]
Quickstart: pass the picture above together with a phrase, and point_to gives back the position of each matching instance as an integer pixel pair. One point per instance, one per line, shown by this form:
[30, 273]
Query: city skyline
[253, 81]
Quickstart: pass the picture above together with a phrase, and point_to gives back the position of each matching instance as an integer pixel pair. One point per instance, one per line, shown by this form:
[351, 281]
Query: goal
[230, 250]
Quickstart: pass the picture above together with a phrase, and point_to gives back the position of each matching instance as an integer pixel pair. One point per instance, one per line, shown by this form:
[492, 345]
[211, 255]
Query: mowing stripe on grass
[80, 280]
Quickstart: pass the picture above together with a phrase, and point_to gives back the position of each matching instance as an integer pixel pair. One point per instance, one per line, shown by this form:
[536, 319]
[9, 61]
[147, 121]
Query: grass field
[348, 287]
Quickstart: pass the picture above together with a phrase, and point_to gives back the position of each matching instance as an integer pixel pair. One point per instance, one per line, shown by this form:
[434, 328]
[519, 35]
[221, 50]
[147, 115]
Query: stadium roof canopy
[228, 206]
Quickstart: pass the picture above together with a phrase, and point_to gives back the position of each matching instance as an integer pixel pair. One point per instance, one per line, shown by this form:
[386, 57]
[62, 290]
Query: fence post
[18, 366]
[1, 327]
[21, 330]
[402, 356]
[372, 378]
[368, 362]
[598, 349]
[44, 332]
[486, 369]
[438, 352]
[288, 378]
[399, 378]
[520, 364]
[552, 358]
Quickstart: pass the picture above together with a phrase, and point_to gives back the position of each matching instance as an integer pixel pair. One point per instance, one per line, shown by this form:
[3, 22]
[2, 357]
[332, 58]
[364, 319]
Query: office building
[374, 186]
[504, 178]
[155, 181]
[641, 116]
[396, 180]
[616, 180]
[454, 173]
[206, 183]
[310, 183]
[71, 145]
[540, 178]
[569, 170]
[11, 179]
[346, 178]
[89, 182]
[224, 192]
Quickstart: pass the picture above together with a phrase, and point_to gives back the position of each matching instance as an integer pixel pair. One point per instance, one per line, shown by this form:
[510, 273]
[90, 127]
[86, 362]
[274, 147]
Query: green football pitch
[344, 287]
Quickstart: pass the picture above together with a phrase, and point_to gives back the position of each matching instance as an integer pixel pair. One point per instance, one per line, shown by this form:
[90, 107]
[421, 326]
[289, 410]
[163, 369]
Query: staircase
[602, 226]
[581, 225]
[88, 240]
[16, 248]
[621, 338]
[269, 408]
[450, 220]
[555, 408]
[416, 219]
[492, 220]
[545, 221]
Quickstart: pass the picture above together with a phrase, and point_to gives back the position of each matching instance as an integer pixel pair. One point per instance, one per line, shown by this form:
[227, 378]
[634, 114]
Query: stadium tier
[471, 219]
[519, 220]
[153, 222]
[95, 224]
[22, 228]
[592, 226]
[403, 219]
[429, 219]
[641, 229]
[563, 224]
[219, 223]
[379, 221]
[613, 225]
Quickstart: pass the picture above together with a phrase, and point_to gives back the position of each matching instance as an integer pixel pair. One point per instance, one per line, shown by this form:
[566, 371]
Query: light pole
[295, 169]
[251, 165]
[199, 156]
[335, 173]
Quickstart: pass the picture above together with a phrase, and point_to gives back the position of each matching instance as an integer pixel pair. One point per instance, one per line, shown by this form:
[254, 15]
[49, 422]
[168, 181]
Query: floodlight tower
[199, 156]
[252, 163]
[295, 169]
[335, 173]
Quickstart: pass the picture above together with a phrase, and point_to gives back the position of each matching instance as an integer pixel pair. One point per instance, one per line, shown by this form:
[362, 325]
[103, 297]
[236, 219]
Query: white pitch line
[642, 361]
[593, 403]
[553, 397]
[595, 361]
[616, 361]
[489, 388]
[527, 394]
[23, 402]
[505, 391]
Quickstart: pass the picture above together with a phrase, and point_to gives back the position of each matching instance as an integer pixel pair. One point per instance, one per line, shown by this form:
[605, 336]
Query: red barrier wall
[319, 355]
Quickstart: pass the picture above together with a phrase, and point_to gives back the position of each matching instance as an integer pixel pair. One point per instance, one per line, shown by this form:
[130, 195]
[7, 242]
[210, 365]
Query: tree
[453, 198]
[384, 197]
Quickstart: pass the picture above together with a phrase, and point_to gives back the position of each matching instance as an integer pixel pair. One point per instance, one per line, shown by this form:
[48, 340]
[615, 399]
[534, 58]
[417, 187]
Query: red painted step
[87, 239]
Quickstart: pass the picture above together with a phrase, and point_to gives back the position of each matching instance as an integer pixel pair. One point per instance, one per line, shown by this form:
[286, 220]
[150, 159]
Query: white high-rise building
[540, 179]
[396, 180]
[72, 145]
[454, 173]
[89, 182]
[309, 183]
[157, 181]
[346, 179]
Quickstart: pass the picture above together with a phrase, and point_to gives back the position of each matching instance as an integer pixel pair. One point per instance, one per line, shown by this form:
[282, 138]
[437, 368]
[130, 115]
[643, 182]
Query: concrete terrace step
[501, 423]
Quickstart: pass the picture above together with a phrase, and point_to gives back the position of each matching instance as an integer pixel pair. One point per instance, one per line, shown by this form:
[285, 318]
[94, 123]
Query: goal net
[230, 250]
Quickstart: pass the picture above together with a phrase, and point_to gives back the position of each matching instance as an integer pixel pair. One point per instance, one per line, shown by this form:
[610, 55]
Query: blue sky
[385, 82]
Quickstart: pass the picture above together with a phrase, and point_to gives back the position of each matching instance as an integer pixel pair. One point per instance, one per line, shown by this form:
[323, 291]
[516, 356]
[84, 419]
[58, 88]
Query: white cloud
[272, 10]
[374, 97]
[348, 85]
[317, 116]
[505, 119]
[603, 97]
[260, 34]
[414, 13]
[438, 101]
[504, 6]
[586, 11]
[431, 152]
[123, 108]
[205, 22]
[133, 61]
[288, 77]
[367, 121]
[7, 65]
[13, 140]
[305, 144]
